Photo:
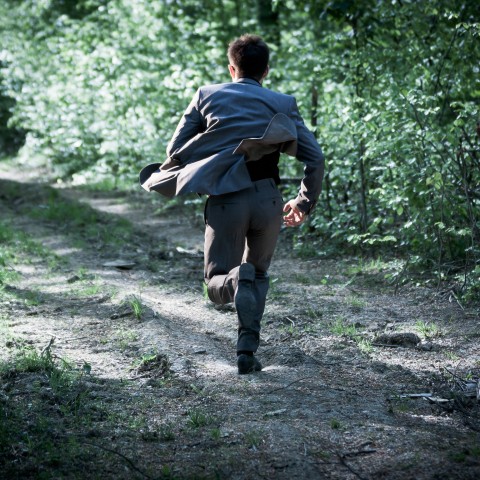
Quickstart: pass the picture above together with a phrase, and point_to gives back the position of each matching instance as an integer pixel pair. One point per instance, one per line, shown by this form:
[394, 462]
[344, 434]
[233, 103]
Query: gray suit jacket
[226, 125]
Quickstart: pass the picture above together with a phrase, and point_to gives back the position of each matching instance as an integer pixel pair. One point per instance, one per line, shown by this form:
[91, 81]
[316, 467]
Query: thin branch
[444, 59]
[121, 455]
[345, 464]
[289, 385]
[46, 349]
[384, 345]
[456, 298]
[360, 452]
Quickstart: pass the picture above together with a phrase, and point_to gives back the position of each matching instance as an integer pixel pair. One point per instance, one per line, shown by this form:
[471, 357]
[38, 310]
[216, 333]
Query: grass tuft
[428, 329]
[197, 419]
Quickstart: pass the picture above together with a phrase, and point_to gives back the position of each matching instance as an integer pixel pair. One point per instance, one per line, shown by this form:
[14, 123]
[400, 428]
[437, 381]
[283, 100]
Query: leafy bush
[391, 89]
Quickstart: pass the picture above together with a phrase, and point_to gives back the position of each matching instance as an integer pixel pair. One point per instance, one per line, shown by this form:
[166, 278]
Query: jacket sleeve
[190, 125]
[310, 153]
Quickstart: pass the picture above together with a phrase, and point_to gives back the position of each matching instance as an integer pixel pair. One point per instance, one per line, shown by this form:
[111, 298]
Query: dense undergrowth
[391, 89]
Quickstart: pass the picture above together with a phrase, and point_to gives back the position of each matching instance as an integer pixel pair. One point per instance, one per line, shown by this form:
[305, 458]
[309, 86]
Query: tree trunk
[268, 20]
[314, 122]
[363, 189]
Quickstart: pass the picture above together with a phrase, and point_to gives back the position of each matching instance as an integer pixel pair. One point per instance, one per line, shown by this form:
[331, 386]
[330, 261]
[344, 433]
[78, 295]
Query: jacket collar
[250, 81]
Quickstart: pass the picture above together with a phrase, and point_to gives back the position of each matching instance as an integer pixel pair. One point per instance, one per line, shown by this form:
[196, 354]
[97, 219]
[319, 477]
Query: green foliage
[397, 110]
[61, 374]
[335, 424]
[428, 329]
[80, 219]
[137, 307]
[29, 360]
[125, 338]
[135, 304]
[342, 328]
[16, 245]
[391, 89]
[253, 439]
[198, 418]
[48, 410]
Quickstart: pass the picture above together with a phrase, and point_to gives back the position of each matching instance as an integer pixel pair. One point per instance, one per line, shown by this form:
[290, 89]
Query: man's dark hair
[249, 54]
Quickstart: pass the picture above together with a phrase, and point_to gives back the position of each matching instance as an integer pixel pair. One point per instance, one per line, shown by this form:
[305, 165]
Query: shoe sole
[246, 272]
[245, 303]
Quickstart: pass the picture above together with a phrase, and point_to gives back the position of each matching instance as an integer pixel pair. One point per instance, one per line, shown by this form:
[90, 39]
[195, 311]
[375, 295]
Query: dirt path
[158, 395]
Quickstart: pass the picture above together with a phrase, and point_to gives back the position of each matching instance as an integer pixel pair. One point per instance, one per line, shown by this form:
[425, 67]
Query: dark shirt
[266, 167]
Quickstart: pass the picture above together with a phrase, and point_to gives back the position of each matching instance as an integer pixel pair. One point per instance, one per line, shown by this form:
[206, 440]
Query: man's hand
[294, 217]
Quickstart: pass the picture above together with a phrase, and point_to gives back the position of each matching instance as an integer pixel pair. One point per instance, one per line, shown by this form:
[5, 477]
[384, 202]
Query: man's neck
[238, 79]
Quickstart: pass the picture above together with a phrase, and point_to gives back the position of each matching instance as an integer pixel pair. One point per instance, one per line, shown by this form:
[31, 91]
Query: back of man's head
[249, 54]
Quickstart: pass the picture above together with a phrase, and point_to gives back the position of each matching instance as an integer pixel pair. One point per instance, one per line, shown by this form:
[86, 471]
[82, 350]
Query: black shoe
[248, 364]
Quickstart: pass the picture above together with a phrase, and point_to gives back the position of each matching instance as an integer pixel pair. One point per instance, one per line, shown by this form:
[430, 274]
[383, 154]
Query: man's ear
[232, 71]
[266, 72]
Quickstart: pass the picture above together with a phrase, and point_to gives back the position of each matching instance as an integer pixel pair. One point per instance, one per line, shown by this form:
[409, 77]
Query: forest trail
[153, 389]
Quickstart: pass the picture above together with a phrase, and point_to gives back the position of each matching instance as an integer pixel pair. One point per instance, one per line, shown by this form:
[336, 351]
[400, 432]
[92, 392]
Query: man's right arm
[190, 125]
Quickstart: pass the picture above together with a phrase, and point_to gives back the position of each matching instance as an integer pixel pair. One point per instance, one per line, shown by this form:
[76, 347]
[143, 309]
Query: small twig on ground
[458, 301]
[384, 345]
[291, 321]
[139, 377]
[70, 339]
[453, 374]
[132, 465]
[341, 457]
[360, 452]
[331, 364]
[47, 347]
[473, 424]
[347, 284]
[289, 385]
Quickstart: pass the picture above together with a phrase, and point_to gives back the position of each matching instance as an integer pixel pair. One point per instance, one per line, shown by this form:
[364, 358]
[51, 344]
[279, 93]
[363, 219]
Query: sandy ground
[329, 402]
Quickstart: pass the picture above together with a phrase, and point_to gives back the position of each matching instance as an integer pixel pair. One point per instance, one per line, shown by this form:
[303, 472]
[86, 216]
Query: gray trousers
[242, 227]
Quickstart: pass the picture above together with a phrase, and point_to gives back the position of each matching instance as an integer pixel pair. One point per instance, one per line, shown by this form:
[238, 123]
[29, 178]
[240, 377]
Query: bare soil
[159, 395]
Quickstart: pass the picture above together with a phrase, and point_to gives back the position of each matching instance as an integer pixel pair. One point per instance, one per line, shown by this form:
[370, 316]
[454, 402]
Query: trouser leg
[242, 227]
[249, 329]
[261, 241]
[221, 288]
[226, 219]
